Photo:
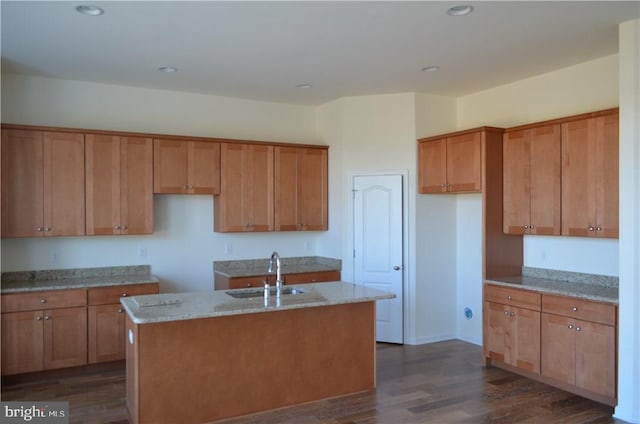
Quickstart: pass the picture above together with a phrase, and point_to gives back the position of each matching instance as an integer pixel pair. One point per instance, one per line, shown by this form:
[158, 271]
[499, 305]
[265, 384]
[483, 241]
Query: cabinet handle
[578, 328]
[39, 229]
[598, 228]
[47, 317]
[570, 326]
[38, 318]
[574, 309]
[123, 295]
[590, 228]
[506, 312]
[120, 310]
[532, 227]
[47, 228]
[512, 314]
[248, 284]
[526, 227]
[509, 297]
[43, 300]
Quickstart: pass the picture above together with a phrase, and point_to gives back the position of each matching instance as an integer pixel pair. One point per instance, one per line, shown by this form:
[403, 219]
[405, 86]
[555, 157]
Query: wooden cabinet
[246, 198]
[42, 183]
[301, 189]
[579, 344]
[450, 164]
[590, 176]
[531, 180]
[512, 327]
[43, 330]
[106, 320]
[223, 282]
[119, 185]
[186, 167]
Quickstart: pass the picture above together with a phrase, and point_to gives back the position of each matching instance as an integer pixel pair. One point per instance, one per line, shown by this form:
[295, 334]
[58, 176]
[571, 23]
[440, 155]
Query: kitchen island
[200, 357]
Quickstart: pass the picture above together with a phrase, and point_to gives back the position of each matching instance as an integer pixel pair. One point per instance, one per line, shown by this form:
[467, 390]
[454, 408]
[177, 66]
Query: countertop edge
[551, 290]
[36, 286]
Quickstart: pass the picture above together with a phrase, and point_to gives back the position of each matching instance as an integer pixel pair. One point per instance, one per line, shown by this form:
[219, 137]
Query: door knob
[396, 268]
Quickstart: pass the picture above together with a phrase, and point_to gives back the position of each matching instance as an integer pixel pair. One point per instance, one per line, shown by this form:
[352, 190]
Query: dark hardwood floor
[435, 383]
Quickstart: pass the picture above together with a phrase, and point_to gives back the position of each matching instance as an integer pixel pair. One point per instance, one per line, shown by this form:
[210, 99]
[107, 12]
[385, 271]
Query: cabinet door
[432, 162]
[497, 328]
[464, 163]
[259, 194]
[65, 337]
[204, 167]
[102, 162]
[170, 166]
[312, 189]
[22, 335]
[22, 183]
[525, 339]
[136, 185]
[545, 168]
[516, 182]
[63, 184]
[607, 186]
[106, 337]
[596, 358]
[286, 188]
[558, 348]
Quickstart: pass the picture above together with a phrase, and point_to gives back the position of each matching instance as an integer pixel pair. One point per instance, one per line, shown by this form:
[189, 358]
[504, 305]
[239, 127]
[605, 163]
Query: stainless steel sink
[249, 294]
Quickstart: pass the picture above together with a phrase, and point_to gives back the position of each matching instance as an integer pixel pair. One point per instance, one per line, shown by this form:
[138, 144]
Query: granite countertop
[184, 306]
[27, 281]
[586, 286]
[292, 265]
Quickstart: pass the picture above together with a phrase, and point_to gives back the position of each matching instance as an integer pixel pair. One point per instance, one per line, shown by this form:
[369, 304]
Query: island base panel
[201, 370]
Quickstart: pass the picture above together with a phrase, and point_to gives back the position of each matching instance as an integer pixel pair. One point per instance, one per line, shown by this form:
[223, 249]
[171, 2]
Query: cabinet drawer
[509, 296]
[112, 294]
[586, 310]
[312, 277]
[245, 282]
[43, 300]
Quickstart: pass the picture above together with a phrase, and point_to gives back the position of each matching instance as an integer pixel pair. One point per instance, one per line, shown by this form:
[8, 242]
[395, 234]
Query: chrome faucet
[279, 283]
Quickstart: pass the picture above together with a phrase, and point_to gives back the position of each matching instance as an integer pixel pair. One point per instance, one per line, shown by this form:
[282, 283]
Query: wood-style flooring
[434, 383]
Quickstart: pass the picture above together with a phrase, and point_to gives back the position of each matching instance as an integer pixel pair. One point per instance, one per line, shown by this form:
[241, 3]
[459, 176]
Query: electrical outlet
[142, 252]
[55, 256]
[228, 248]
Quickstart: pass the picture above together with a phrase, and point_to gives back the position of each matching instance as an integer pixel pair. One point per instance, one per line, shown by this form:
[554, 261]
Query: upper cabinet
[300, 188]
[531, 180]
[246, 196]
[590, 176]
[450, 164]
[119, 185]
[42, 183]
[186, 167]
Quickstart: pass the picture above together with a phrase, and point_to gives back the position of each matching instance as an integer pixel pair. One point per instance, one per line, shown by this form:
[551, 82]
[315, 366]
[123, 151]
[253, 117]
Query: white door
[378, 256]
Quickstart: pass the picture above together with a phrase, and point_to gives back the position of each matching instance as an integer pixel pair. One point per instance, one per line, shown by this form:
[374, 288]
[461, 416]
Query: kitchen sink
[249, 294]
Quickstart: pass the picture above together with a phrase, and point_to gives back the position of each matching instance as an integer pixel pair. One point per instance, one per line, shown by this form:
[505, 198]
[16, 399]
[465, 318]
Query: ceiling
[262, 50]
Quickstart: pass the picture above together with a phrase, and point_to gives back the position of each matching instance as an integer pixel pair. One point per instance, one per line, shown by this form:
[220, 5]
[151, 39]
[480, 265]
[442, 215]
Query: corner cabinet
[300, 188]
[186, 167]
[119, 185]
[531, 180]
[590, 176]
[42, 183]
[246, 201]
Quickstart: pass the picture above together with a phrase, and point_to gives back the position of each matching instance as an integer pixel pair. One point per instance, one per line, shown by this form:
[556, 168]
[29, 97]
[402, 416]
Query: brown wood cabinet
[579, 344]
[531, 180]
[246, 200]
[450, 164]
[590, 176]
[43, 330]
[119, 185]
[223, 282]
[106, 320]
[512, 333]
[301, 194]
[42, 183]
[186, 167]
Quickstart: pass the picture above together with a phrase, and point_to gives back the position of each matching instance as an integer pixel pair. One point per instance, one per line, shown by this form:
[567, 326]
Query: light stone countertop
[64, 279]
[185, 306]
[602, 293]
[290, 265]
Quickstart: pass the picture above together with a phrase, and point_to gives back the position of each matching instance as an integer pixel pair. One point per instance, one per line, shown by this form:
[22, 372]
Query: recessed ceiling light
[167, 69]
[432, 68]
[88, 10]
[304, 85]
[461, 10]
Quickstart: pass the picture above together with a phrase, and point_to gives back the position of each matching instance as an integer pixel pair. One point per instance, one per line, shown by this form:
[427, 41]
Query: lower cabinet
[565, 341]
[106, 318]
[36, 339]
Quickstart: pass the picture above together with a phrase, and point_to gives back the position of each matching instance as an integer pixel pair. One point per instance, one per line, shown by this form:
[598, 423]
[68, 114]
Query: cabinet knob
[124, 227]
[578, 328]
[38, 318]
[509, 297]
[506, 312]
[526, 227]
[532, 227]
[248, 284]
[590, 228]
[512, 314]
[185, 187]
[120, 310]
[123, 295]
[43, 300]
[117, 227]
[39, 229]
[598, 228]
[570, 326]
[47, 228]
[47, 317]
[190, 186]
[574, 309]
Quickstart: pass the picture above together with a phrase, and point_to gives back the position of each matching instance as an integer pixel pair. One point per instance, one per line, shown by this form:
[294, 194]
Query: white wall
[628, 408]
[183, 246]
